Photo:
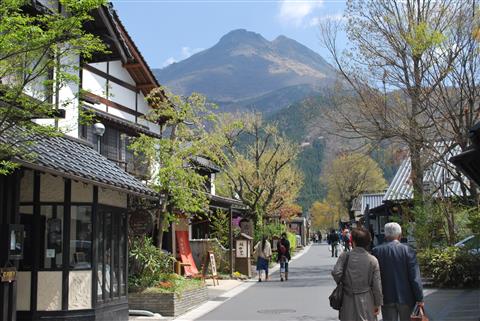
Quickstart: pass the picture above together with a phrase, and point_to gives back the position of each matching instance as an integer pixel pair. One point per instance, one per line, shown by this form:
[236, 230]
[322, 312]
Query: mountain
[244, 70]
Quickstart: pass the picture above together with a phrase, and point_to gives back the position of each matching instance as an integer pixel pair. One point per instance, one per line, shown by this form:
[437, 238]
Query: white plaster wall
[142, 121]
[99, 65]
[101, 107]
[121, 114]
[93, 83]
[51, 188]
[111, 197]
[68, 98]
[154, 127]
[142, 104]
[26, 187]
[118, 71]
[49, 293]
[122, 95]
[82, 192]
[80, 290]
[24, 280]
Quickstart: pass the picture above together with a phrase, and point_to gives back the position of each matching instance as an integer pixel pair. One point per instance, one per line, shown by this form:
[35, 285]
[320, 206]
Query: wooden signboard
[8, 274]
[210, 258]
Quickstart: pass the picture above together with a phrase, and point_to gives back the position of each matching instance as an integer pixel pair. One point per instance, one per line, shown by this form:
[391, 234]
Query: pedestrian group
[386, 280]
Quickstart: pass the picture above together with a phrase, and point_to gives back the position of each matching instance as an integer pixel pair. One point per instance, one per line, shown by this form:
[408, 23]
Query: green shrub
[147, 264]
[450, 266]
[292, 238]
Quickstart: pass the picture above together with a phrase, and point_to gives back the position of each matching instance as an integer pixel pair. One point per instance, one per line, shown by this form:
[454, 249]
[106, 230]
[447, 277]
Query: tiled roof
[75, 159]
[438, 180]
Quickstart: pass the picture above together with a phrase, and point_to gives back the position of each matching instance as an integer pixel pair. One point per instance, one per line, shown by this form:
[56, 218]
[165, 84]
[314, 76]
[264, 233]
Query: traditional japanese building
[64, 214]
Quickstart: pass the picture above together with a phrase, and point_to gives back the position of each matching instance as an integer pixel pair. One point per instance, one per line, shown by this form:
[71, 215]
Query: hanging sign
[8, 274]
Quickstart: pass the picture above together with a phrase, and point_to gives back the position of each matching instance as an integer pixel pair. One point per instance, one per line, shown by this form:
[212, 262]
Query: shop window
[111, 255]
[26, 219]
[51, 222]
[99, 258]
[81, 237]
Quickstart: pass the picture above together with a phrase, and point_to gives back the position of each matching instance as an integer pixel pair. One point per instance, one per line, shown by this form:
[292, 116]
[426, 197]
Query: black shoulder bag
[336, 297]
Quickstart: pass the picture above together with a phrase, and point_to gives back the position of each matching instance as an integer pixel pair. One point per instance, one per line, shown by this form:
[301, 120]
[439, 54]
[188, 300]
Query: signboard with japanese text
[213, 265]
[242, 249]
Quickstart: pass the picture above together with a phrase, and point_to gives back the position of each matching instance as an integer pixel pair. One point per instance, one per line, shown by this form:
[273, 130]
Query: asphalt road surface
[304, 297]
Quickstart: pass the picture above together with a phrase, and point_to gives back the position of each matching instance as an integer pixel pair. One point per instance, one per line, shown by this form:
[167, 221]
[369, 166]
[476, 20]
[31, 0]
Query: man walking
[333, 239]
[401, 282]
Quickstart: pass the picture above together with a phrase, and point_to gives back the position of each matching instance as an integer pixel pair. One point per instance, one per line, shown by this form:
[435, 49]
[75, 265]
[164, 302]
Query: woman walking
[263, 252]
[360, 273]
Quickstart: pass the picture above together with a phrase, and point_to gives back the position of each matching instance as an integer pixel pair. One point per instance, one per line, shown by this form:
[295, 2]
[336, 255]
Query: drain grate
[219, 298]
[276, 311]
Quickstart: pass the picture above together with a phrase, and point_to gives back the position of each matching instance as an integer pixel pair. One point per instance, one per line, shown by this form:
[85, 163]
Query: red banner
[185, 251]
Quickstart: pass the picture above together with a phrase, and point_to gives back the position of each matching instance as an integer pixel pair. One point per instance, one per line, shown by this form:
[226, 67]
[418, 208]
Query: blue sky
[172, 30]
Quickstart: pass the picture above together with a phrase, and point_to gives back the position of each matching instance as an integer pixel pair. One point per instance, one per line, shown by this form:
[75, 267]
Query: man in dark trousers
[401, 282]
[283, 250]
[333, 239]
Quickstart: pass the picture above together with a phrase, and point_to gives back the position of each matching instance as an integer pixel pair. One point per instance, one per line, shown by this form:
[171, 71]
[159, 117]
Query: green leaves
[184, 137]
[421, 38]
[38, 56]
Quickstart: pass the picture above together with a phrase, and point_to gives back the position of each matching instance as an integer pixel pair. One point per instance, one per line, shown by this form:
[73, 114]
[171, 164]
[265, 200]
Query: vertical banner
[183, 245]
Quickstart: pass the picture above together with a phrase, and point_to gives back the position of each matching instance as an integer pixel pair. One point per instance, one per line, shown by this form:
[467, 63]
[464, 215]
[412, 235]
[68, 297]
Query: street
[303, 297]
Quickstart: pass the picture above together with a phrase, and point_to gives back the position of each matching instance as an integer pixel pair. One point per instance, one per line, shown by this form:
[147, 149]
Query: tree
[350, 175]
[324, 215]
[259, 165]
[397, 45]
[184, 137]
[36, 52]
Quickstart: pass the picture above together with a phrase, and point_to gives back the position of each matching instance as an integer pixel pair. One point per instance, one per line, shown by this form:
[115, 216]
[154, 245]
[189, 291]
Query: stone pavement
[453, 305]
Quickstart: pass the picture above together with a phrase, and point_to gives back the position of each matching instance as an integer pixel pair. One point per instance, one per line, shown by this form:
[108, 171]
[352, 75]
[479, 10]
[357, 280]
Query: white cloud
[169, 61]
[296, 11]
[185, 53]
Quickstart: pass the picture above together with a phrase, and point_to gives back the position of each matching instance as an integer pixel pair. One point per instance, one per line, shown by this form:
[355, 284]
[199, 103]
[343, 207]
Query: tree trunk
[417, 174]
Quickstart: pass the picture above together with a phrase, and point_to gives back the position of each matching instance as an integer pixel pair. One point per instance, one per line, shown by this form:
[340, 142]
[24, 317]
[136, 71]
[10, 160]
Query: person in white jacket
[263, 252]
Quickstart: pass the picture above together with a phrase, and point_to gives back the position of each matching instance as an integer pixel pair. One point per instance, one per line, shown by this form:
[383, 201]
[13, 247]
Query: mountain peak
[243, 66]
[242, 36]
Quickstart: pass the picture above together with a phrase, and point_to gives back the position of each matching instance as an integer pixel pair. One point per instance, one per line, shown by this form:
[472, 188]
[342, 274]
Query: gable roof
[437, 180]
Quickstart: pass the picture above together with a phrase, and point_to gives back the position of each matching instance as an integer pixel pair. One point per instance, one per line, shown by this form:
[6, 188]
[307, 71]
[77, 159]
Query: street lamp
[99, 130]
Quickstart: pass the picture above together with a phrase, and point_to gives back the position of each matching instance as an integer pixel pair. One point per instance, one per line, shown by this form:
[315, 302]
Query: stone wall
[168, 304]
[200, 247]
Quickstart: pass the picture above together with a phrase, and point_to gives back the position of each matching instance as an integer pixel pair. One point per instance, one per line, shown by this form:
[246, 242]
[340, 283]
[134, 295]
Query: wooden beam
[132, 65]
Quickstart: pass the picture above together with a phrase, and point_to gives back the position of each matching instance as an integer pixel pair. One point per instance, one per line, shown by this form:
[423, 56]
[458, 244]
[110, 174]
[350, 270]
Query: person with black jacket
[283, 257]
[333, 240]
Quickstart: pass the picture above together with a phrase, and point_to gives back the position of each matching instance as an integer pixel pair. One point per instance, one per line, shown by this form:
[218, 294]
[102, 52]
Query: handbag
[336, 297]
[418, 314]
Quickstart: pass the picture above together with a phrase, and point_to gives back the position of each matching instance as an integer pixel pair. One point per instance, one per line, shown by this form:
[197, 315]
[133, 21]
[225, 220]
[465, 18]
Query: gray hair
[392, 230]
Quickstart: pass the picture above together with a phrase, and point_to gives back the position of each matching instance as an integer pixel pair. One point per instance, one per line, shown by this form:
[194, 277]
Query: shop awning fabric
[75, 159]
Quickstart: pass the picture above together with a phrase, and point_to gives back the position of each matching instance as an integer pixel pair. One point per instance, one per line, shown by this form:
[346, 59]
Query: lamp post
[98, 130]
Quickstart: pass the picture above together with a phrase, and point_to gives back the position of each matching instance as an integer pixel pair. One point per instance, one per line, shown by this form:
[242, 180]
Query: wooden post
[230, 231]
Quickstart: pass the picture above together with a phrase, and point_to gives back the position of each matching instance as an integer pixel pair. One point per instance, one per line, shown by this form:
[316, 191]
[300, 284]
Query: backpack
[282, 249]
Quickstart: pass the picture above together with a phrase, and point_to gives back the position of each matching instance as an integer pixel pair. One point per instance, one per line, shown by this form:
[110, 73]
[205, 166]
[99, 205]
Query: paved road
[304, 297]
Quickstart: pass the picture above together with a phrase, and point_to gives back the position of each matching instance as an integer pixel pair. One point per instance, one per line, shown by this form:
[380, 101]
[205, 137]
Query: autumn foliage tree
[350, 175]
[324, 215]
[259, 166]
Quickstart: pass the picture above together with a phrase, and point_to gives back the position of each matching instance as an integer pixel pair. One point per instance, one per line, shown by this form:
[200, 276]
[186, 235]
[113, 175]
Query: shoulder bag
[336, 297]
